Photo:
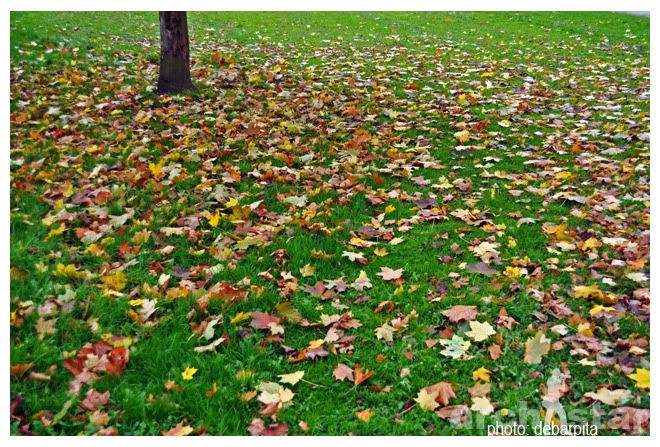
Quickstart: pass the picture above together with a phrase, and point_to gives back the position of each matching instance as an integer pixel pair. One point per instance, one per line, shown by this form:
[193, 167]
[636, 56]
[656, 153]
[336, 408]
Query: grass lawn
[333, 188]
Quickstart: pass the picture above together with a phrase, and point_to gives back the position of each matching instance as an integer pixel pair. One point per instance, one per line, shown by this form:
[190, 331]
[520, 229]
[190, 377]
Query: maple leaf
[307, 271]
[482, 373]
[642, 377]
[94, 400]
[262, 320]
[274, 393]
[362, 282]
[559, 231]
[45, 327]
[380, 252]
[455, 414]
[638, 277]
[482, 405]
[157, 168]
[115, 281]
[360, 375]
[364, 415]
[214, 219]
[462, 136]
[486, 250]
[292, 378]
[494, 351]
[480, 331]
[385, 332]
[455, 347]
[99, 418]
[188, 373]
[179, 430]
[426, 400]
[610, 397]
[591, 291]
[388, 274]
[343, 372]
[460, 312]
[444, 390]
[355, 257]
[536, 347]
[258, 428]
[480, 267]
[288, 313]
[479, 389]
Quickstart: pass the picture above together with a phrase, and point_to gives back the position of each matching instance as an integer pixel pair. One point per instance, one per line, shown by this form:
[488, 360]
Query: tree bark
[174, 53]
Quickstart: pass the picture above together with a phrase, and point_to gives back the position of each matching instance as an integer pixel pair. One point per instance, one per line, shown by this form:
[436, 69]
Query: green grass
[80, 80]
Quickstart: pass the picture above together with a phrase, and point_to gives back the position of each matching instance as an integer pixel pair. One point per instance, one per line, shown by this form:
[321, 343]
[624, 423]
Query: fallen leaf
[642, 378]
[188, 373]
[480, 331]
[535, 348]
[292, 378]
[388, 274]
[460, 312]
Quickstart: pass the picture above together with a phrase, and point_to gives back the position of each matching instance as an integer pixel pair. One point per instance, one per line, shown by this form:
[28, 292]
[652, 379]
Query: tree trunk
[174, 53]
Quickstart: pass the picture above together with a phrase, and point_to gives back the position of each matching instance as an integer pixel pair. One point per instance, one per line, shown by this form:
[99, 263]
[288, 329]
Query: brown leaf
[494, 351]
[445, 392]
[455, 414]
[460, 312]
[258, 428]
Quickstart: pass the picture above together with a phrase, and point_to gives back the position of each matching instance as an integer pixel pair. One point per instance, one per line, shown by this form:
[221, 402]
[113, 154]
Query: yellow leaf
[241, 316]
[244, 375]
[188, 373]
[482, 373]
[598, 309]
[380, 252]
[247, 396]
[95, 250]
[564, 175]
[115, 281]
[67, 271]
[56, 231]
[390, 209]
[364, 415]
[307, 271]
[426, 400]
[157, 168]
[68, 189]
[585, 329]
[643, 378]
[214, 219]
[463, 136]
[292, 378]
[591, 291]
[590, 243]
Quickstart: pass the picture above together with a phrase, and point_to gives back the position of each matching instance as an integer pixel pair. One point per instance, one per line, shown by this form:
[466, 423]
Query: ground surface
[335, 187]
